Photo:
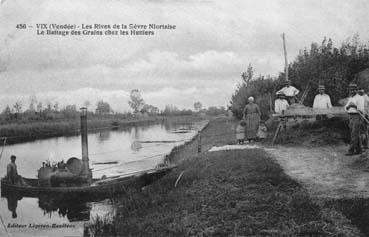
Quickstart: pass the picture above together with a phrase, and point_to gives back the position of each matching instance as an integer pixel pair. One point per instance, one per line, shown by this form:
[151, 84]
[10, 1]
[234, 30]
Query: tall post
[199, 143]
[86, 168]
[285, 56]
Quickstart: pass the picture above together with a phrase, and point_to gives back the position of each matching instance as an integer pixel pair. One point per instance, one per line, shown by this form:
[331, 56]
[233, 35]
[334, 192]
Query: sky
[201, 60]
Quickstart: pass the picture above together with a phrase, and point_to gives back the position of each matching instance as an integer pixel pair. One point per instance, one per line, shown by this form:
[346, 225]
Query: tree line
[51, 111]
[332, 66]
[37, 111]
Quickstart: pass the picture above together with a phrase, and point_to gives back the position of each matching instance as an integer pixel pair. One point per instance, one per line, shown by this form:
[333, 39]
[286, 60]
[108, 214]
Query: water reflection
[72, 207]
[12, 200]
[135, 133]
[66, 206]
[103, 136]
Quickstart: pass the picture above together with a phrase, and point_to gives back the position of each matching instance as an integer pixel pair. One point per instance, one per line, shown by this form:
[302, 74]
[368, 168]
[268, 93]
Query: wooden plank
[277, 132]
[307, 111]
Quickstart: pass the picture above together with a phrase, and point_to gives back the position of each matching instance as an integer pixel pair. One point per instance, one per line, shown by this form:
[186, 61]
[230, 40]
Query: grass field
[225, 193]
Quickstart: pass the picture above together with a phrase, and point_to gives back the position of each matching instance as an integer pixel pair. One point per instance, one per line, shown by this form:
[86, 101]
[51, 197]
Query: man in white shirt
[322, 100]
[354, 107]
[362, 93]
[280, 104]
[364, 130]
[289, 91]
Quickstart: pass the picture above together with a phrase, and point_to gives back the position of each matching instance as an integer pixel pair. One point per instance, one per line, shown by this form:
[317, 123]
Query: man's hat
[280, 93]
[361, 90]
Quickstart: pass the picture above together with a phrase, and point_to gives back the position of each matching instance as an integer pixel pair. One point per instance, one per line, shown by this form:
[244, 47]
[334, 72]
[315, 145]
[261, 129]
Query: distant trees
[197, 106]
[17, 107]
[212, 110]
[56, 106]
[150, 109]
[7, 113]
[136, 102]
[103, 107]
[39, 107]
[170, 110]
[32, 104]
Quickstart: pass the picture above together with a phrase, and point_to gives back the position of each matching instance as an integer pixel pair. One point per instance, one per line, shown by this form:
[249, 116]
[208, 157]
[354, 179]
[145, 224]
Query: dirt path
[325, 171]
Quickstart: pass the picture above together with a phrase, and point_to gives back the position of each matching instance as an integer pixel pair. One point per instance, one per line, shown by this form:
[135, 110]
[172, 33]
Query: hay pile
[317, 133]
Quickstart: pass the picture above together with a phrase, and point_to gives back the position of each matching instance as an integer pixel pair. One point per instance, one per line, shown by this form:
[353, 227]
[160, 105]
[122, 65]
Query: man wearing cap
[280, 104]
[322, 100]
[354, 107]
[289, 91]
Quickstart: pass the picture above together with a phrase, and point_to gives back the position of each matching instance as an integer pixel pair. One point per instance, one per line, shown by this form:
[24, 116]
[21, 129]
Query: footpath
[325, 171]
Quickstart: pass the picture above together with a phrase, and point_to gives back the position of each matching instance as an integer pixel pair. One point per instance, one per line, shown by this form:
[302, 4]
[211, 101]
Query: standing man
[322, 100]
[289, 91]
[354, 107]
[280, 104]
[364, 130]
[12, 173]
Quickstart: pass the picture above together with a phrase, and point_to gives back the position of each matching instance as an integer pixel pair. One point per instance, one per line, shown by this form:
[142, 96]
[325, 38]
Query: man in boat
[12, 173]
[280, 104]
[354, 108]
[322, 101]
[290, 92]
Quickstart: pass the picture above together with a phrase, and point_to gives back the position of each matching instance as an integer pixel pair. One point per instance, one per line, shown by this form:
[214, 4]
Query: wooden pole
[270, 103]
[199, 143]
[285, 56]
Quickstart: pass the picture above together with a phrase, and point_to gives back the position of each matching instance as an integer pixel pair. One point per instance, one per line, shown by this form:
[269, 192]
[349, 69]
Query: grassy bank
[22, 132]
[239, 192]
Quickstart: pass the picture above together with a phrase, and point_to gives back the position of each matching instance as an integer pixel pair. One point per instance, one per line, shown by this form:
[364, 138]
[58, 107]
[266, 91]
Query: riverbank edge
[187, 149]
[199, 207]
[26, 132]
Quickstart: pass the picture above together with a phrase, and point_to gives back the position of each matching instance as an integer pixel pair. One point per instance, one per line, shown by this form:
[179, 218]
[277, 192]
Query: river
[125, 150]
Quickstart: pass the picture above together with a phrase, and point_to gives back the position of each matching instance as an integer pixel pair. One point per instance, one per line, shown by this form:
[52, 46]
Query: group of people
[287, 95]
[250, 128]
[357, 107]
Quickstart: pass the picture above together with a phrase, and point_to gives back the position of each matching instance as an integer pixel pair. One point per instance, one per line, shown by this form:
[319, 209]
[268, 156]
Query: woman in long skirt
[251, 115]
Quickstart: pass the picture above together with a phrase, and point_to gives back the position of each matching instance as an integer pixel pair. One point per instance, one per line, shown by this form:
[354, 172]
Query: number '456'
[21, 26]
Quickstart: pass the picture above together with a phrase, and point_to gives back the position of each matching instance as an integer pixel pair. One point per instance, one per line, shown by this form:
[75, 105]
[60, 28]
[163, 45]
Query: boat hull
[98, 188]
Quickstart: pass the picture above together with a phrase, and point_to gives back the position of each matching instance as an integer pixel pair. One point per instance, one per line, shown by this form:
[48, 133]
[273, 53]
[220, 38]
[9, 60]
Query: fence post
[199, 143]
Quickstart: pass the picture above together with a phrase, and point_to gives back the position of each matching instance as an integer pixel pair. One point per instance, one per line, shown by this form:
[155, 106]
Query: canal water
[112, 152]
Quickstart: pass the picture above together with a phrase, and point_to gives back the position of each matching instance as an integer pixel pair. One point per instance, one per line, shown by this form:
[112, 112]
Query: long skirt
[354, 124]
[252, 125]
